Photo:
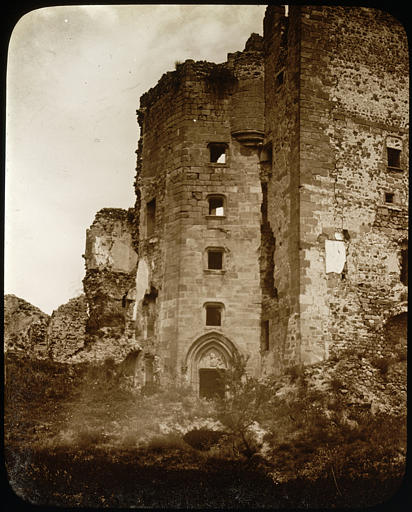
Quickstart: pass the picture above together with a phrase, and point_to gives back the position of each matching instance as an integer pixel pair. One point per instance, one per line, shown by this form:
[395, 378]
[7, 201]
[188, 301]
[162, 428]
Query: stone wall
[25, 328]
[346, 80]
[110, 260]
[66, 330]
[354, 104]
[271, 193]
[197, 105]
[282, 133]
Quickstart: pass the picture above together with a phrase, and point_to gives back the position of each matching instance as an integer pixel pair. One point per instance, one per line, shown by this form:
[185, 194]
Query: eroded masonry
[271, 205]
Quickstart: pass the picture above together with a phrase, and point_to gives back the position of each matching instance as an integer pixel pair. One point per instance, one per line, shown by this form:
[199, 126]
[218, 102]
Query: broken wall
[110, 261]
[25, 328]
[281, 39]
[353, 106]
[346, 80]
[67, 329]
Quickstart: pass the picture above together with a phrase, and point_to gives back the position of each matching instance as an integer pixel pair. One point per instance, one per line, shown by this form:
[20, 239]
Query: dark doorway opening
[211, 383]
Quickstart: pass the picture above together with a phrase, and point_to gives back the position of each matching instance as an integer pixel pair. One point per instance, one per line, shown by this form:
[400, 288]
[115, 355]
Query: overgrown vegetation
[281, 429]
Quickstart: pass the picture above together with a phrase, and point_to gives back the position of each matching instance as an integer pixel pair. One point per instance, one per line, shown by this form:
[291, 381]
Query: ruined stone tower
[271, 202]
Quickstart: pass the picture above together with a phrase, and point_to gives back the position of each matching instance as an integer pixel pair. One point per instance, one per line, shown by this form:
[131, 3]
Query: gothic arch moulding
[210, 351]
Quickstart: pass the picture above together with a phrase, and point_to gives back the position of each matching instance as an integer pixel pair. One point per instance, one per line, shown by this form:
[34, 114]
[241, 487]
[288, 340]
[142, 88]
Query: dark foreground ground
[72, 439]
[124, 480]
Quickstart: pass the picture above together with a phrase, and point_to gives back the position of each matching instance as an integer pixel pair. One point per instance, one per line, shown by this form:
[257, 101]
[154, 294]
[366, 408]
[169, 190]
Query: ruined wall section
[25, 328]
[282, 67]
[353, 106]
[66, 332]
[162, 161]
[109, 283]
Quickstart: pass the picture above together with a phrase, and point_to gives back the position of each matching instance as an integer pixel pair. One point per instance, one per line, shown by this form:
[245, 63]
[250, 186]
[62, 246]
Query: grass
[62, 422]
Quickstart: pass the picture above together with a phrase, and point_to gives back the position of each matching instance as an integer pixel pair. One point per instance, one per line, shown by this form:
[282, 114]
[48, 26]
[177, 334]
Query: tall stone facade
[337, 116]
[197, 291]
[271, 203]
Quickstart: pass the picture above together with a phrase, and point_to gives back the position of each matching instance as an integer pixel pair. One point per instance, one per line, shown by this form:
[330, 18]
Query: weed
[295, 372]
[167, 442]
[382, 364]
[336, 384]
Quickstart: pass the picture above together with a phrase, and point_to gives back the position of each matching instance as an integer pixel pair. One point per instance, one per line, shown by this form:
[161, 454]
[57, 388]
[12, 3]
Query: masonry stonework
[346, 81]
[271, 204]
[110, 261]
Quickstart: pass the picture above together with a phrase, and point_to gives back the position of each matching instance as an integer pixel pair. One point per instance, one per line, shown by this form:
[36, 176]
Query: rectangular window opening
[265, 335]
[279, 79]
[148, 370]
[213, 315]
[150, 217]
[216, 206]
[215, 260]
[217, 153]
[389, 197]
[394, 157]
[404, 267]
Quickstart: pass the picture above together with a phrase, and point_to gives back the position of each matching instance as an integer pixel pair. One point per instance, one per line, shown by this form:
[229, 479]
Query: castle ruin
[271, 205]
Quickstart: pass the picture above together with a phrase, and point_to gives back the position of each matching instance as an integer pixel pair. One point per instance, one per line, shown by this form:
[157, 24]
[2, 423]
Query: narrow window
[213, 314]
[148, 370]
[265, 335]
[215, 259]
[217, 152]
[216, 206]
[389, 197]
[150, 217]
[394, 157]
[404, 264]
[279, 79]
[149, 311]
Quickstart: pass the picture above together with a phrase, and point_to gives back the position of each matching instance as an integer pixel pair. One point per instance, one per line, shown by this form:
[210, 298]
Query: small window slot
[213, 314]
[216, 206]
[394, 158]
[389, 197]
[150, 217]
[279, 79]
[266, 155]
[215, 259]
[265, 335]
[404, 263]
[217, 153]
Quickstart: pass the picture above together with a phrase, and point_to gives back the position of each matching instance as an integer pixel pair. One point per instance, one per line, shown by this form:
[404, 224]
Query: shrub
[88, 437]
[245, 403]
[167, 442]
[295, 372]
[336, 384]
[202, 439]
[382, 364]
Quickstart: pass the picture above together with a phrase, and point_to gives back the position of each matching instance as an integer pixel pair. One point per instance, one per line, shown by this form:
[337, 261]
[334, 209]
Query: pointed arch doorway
[207, 360]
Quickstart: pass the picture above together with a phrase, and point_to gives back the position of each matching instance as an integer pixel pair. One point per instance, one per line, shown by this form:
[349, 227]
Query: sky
[74, 78]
